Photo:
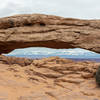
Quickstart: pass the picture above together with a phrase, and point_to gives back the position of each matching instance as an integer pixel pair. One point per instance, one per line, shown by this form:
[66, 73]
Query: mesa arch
[38, 30]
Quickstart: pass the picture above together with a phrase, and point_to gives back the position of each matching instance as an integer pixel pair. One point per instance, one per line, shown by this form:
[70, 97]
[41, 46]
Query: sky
[83, 9]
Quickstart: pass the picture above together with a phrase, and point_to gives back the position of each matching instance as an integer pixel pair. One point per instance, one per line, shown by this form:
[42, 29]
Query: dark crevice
[42, 24]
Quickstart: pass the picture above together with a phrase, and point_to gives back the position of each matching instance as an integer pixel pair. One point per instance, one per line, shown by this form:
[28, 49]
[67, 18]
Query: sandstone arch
[39, 30]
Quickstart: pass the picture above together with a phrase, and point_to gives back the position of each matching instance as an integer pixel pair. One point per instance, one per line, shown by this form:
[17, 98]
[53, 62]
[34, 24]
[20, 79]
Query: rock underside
[37, 30]
[50, 78]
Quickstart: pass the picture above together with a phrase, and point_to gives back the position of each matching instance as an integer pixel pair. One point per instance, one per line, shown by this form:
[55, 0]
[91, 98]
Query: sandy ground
[50, 78]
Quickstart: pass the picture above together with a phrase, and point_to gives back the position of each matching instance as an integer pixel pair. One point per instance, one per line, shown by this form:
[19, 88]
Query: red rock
[50, 78]
[38, 30]
[15, 60]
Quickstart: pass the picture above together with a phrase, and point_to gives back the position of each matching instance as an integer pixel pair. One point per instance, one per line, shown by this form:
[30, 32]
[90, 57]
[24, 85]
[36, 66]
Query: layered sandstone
[50, 78]
[38, 30]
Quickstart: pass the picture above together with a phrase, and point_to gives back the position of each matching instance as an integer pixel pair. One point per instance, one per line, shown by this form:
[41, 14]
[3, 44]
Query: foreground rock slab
[37, 30]
[50, 78]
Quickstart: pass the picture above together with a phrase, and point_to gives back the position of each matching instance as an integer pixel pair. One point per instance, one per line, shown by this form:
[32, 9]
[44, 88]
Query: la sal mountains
[38, 52]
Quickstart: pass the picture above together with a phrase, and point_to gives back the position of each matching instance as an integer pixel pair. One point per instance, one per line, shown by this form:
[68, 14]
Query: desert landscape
[51, 78]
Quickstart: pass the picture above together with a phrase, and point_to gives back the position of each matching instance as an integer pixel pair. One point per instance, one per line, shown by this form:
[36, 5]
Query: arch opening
[76, 54]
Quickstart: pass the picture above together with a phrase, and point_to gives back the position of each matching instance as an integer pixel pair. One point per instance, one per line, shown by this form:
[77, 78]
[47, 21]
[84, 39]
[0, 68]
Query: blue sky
[84, 9]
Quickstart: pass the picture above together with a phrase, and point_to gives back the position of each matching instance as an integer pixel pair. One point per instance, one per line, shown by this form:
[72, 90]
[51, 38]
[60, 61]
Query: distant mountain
[46, 52]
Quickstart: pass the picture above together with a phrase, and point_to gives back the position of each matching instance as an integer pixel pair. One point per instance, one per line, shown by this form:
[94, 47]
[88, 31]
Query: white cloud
[66, 8]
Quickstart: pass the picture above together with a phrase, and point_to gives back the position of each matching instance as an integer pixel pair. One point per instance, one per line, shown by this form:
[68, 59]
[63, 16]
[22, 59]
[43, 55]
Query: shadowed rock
[37, 30]
[98, 76]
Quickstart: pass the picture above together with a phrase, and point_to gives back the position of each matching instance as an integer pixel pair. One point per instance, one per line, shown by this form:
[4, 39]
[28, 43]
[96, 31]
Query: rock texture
[15, 60]
[50, 78]
[38, 30]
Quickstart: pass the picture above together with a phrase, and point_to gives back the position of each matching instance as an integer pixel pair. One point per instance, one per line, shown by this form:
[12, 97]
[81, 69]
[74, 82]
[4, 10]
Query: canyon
[51, 78]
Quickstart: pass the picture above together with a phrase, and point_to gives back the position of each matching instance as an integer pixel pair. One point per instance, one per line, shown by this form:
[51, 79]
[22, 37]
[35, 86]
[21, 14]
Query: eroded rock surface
[38, 30]
[50, 78]
[15, 60]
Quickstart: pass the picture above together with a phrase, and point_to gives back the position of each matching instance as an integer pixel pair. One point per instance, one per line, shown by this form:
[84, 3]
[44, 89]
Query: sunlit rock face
[39, 30]
[50, 78]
